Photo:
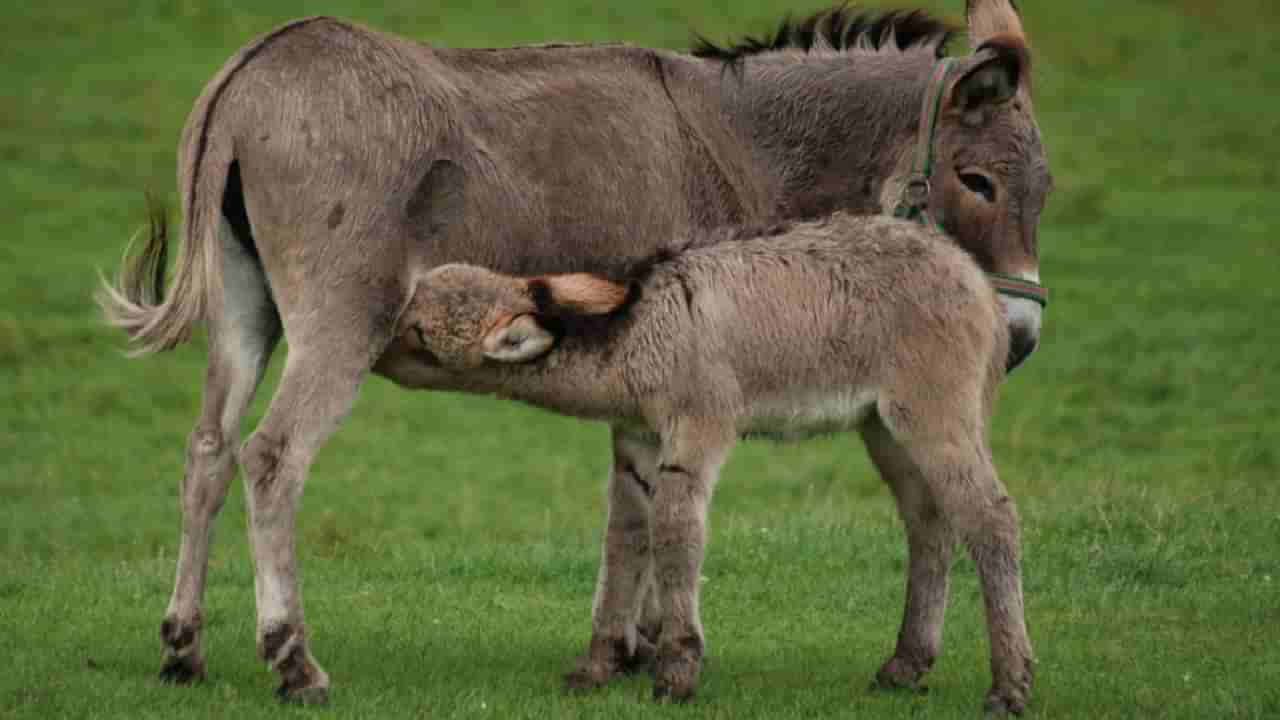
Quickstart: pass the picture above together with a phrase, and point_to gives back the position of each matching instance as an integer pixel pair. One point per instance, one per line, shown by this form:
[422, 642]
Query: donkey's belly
[808, 413]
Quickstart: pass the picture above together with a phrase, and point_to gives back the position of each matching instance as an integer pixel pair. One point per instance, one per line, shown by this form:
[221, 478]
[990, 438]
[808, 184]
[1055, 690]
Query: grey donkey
[868, 324]
[326, 165]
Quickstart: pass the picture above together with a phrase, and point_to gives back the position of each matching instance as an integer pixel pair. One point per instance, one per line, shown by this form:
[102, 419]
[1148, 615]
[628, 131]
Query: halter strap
[914, 203]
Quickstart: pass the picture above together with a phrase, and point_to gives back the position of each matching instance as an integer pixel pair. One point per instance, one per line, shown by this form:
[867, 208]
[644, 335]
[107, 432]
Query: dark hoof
[675, 673]
[642, 660]
[582, 681]
[665, 695]
[303, 696]
[1010, 696]
[1001, 706]
[182, 671]
[899, 675]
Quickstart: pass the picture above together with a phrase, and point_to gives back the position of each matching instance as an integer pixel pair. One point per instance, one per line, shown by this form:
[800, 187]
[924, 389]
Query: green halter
[914, 203]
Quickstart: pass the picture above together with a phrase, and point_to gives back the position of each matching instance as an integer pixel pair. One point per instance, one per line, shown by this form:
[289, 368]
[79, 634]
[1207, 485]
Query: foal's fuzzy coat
[852, 323]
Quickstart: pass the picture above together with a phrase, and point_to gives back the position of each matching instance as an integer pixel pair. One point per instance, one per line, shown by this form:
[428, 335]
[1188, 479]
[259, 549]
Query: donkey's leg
[625, 571]
[691, 457]
[318, 388]
[957, 470]
[243, 330]
[930, 541]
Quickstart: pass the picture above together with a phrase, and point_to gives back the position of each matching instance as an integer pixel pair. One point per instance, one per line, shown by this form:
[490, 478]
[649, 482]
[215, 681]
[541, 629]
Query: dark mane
[842, 28]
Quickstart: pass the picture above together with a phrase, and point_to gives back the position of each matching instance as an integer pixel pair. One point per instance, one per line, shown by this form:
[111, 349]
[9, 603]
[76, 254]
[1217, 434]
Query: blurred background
[1142, 440]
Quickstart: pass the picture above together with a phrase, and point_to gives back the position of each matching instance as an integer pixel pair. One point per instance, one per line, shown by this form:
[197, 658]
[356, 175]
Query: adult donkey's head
[991, 176]
[836, 101]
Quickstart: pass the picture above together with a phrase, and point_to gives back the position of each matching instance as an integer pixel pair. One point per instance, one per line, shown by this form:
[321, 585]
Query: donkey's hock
[872, 324]
[326, 168]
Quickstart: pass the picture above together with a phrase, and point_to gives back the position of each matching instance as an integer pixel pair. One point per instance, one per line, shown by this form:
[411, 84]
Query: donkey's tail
[136, 301]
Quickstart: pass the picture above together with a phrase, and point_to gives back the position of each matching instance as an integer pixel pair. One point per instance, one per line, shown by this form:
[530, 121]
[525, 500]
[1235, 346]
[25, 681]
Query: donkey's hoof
[642, 660]
[898, 674]
[187, 670]
[314, 695]
[664, 694]
[582, 680]
[1004, 705]
[675, 674]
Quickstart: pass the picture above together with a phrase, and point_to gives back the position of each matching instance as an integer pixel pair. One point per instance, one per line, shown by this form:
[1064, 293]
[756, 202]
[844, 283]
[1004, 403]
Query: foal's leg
[243, 330]
[318, 388]
[930, 540]
[956, 466]
[692, 454]
[616, 646]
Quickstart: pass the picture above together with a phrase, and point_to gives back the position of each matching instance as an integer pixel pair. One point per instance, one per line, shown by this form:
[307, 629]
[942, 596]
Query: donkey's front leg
[692, 454]
[616, 646]
[317, 390]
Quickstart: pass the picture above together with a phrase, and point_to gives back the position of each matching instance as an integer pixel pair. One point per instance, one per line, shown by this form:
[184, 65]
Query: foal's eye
[979, 185]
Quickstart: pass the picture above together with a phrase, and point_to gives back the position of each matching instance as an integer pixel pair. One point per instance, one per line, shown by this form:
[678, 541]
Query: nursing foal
[872, 324]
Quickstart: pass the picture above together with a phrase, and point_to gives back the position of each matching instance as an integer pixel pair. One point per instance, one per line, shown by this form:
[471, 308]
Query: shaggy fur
[326, 166]
[871, 324]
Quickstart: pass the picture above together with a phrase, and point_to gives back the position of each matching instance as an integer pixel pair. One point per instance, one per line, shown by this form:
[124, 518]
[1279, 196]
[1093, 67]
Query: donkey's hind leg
[624, 588]
[930, 541]
[957, 472]
[333, 343]
[243, 330]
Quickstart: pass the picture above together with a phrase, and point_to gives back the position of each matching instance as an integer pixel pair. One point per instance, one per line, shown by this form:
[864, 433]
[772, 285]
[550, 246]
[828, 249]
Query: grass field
[446, 575]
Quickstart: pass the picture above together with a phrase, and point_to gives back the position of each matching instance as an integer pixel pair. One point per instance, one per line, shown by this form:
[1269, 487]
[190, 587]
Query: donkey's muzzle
[1024, 316]
[1021, 345]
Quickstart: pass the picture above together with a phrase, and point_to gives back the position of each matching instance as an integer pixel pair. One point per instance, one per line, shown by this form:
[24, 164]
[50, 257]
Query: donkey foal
[866, 323]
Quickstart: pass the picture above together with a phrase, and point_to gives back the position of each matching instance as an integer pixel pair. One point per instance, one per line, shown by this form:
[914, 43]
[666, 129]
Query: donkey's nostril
[1021, 345]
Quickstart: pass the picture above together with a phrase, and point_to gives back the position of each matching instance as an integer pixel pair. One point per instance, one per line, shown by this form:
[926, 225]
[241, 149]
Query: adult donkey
[326, 165]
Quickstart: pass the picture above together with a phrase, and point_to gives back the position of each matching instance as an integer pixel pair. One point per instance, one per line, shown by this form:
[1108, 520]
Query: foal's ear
[576, 294]
[993, 81]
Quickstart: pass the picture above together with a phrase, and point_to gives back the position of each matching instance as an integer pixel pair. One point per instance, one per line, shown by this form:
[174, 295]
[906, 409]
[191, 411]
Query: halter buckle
[917, 191]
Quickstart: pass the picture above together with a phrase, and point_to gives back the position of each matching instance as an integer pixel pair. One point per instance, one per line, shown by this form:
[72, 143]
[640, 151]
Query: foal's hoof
[670, 696]
[1002, 705]
[675, 673]
[583, 680]
[303, 696]
[187, 670]
[642, 660]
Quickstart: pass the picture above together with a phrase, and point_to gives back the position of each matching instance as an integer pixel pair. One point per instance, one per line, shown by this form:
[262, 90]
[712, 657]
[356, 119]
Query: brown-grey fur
[872, 324]
[326, 165]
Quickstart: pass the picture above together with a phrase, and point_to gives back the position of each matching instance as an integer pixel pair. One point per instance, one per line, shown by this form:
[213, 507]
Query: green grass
[449, 543]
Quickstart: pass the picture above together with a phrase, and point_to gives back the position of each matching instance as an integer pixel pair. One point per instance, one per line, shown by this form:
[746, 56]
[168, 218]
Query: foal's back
[807, 331]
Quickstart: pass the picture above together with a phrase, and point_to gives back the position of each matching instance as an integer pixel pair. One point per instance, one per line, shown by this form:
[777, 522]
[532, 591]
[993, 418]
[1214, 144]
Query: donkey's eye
[979, 185]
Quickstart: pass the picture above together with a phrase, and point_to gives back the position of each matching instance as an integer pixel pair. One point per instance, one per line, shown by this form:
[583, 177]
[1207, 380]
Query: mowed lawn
[449, 543]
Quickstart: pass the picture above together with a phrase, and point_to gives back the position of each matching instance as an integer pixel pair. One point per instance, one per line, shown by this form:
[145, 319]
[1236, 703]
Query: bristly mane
[841, 28]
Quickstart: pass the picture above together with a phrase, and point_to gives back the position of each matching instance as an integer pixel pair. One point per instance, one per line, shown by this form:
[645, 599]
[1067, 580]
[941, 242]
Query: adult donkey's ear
[576, 294]
[993, 18]
[993, 79]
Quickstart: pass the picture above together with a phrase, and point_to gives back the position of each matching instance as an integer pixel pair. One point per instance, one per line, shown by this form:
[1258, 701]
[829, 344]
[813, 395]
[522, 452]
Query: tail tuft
[135, 301]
